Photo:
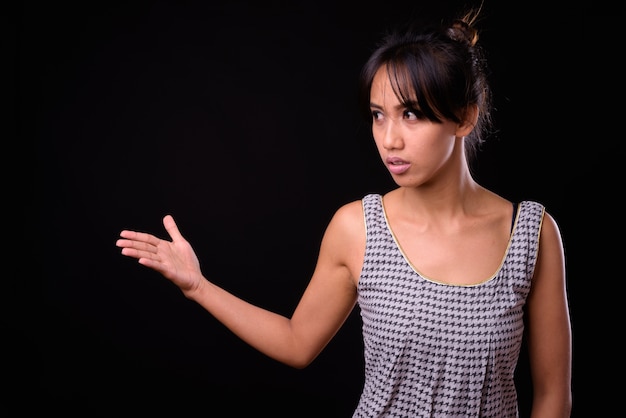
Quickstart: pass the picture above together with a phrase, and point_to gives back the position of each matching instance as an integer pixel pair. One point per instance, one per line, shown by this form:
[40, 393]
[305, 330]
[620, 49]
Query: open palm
[176, 260]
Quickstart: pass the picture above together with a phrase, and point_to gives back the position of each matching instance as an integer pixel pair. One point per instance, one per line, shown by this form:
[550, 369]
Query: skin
[437, 212]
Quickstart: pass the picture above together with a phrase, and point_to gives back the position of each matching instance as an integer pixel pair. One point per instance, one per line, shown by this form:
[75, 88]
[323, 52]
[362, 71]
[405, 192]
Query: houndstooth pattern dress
[439, 350]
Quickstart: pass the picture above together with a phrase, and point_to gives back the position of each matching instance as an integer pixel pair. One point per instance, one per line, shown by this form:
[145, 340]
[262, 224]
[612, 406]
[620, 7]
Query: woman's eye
[411, 115]
[376, 115]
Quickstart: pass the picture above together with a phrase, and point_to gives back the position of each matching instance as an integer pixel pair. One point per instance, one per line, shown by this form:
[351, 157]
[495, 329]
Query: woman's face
[414, 149]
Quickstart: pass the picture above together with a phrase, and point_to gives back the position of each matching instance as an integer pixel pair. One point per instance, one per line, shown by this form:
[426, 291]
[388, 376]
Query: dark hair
[438, 69]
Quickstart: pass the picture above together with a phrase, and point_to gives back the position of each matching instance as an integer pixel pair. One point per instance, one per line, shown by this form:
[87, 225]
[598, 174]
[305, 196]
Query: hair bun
[462, 31]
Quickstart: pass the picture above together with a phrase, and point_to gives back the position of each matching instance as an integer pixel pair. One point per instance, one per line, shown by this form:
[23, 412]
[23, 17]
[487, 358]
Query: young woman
[448, 276]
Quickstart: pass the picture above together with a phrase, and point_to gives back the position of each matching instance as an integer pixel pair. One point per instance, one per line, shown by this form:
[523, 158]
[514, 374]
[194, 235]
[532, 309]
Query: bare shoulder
[344, 240]
[348, 220]
[551, 258]
[550, 233]
[351, 212]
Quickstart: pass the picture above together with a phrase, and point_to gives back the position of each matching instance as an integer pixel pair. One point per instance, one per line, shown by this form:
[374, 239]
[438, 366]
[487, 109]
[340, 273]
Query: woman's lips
[397, 165]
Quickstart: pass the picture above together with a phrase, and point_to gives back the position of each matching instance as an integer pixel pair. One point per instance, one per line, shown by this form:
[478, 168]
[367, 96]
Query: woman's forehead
[390, 87]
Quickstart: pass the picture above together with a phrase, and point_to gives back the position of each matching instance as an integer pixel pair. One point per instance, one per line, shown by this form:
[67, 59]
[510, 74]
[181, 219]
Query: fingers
[138, 254]
[140, 236]
[138, 244]
[145, 247]
[172, 228]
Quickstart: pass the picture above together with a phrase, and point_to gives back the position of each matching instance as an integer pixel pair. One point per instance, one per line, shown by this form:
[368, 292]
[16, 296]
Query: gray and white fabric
[438, 350]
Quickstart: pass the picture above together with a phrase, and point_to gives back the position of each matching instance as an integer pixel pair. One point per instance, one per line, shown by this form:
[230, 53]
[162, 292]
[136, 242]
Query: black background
[240, 119]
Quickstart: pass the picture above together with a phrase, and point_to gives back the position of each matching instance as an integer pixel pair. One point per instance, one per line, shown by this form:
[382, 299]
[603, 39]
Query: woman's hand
[176, 260]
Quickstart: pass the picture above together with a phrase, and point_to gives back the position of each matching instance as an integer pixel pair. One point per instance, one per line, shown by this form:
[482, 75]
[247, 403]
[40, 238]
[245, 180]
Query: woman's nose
[392, 138]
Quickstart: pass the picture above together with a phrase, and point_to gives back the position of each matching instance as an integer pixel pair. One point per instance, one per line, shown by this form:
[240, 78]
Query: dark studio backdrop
[240, 119]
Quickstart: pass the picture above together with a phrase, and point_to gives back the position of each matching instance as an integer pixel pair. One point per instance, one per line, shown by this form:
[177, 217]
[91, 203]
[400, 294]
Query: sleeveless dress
[438, 350]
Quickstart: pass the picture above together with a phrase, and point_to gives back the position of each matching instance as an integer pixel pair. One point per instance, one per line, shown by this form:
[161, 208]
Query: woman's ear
[468, 123]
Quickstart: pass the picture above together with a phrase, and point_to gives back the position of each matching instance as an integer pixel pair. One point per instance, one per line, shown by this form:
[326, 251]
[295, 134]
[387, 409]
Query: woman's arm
[326, 303]
[549, 328]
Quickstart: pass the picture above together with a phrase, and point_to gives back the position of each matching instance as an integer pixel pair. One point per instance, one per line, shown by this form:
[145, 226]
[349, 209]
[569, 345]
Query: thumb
[171, 228]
